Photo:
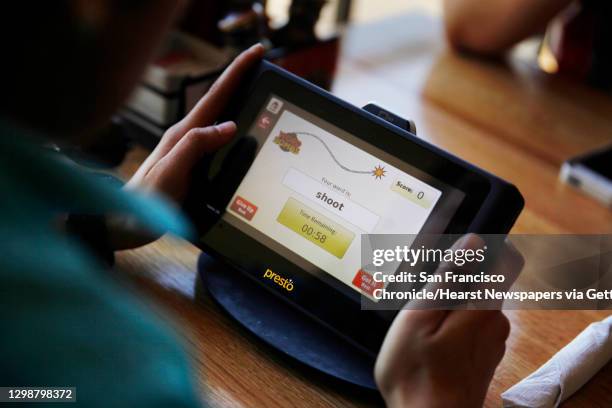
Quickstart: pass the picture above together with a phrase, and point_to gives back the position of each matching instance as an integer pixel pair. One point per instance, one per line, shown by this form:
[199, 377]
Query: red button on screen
[365, 281]
[243, 208]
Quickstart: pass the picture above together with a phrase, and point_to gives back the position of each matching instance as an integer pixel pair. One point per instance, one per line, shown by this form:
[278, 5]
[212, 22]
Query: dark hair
[55, 61]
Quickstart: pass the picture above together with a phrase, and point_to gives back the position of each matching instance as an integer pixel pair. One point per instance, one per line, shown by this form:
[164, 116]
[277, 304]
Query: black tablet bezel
[479, 211]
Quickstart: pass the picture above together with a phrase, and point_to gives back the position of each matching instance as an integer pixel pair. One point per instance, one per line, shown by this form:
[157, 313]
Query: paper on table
[566, 371]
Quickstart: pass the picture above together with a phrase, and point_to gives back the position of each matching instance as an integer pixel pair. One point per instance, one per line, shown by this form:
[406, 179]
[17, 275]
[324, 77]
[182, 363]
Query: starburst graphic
[379, 172]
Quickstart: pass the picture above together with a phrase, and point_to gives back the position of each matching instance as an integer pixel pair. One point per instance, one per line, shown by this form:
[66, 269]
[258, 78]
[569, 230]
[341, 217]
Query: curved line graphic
[332, 154]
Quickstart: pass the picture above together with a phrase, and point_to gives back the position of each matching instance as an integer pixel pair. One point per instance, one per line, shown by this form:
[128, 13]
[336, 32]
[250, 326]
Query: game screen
[313, 190]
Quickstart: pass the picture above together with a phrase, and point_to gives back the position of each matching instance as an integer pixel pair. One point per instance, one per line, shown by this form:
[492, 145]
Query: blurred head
[69, 64]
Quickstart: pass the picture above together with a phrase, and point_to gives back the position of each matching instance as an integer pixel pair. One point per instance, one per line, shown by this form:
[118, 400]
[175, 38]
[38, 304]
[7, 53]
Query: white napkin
[566, 371]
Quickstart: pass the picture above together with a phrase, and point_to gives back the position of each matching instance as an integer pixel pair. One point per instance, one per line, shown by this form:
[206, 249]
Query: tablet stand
[285, 328]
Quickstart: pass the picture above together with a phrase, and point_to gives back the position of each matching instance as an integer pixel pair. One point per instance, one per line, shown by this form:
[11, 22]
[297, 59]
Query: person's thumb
[172, 174]
[196, 143]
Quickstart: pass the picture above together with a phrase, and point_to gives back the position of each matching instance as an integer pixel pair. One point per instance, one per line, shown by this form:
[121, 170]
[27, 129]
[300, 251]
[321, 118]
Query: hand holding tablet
[307, 175]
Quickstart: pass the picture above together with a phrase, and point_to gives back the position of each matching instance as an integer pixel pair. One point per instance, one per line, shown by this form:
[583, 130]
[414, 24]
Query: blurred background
[521, 98]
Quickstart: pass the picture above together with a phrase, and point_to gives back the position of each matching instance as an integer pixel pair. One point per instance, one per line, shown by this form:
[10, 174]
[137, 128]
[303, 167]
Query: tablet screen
[314, 189]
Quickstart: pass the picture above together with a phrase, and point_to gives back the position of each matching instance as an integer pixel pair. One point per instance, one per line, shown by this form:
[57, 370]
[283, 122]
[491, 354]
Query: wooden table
[509, 119]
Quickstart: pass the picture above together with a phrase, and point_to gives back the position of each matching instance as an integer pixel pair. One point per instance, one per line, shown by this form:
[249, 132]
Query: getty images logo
[284, 283]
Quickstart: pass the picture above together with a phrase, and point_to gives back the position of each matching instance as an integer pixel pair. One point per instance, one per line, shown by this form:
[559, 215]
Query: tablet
[308, 175]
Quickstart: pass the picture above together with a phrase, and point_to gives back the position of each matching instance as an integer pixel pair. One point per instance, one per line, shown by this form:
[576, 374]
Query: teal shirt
[65, 322]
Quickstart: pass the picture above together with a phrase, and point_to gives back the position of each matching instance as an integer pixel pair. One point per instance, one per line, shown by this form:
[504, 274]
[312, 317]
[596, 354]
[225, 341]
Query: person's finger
[468, 241]
[486, 329]
[489, 329]
[468, 322]
[196, 143]
[206, 110]
[212, 104]
[508, 265]
[513, 263]
[498, 331]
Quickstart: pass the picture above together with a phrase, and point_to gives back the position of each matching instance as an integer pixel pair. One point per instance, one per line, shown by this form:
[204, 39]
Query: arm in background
[492, 27]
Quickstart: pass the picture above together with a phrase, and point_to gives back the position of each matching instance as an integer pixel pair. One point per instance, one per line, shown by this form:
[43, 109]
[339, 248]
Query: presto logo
[284, 283]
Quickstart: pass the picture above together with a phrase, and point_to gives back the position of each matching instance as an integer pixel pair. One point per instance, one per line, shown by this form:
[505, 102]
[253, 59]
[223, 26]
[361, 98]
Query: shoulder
[71, 324]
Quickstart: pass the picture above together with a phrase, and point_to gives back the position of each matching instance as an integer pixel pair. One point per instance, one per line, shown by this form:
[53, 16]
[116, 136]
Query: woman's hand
[167, 170]
[439, 358]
